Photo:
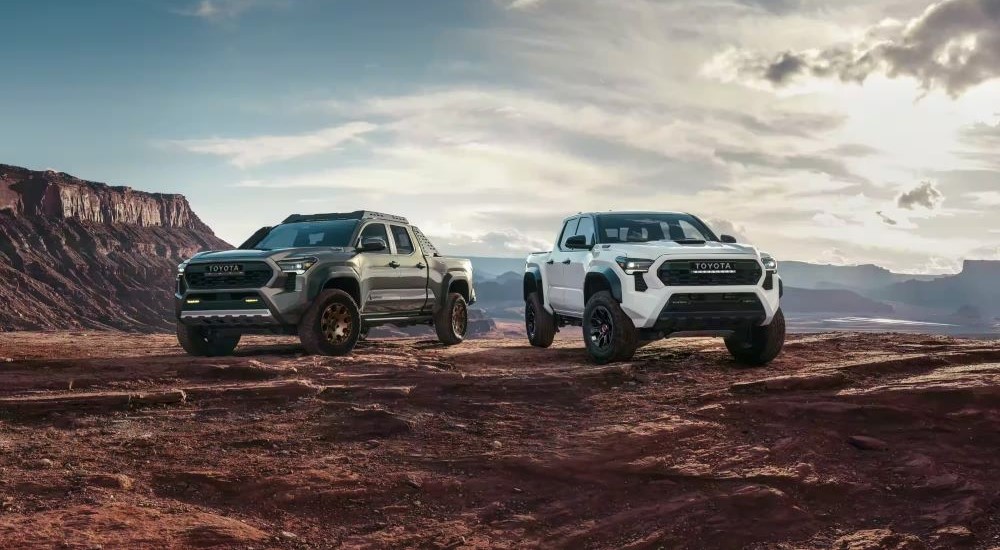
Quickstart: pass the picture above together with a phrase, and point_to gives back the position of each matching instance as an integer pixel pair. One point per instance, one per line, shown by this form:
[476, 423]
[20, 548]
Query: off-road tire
[603, 319]
[762, 346]
[539, 324]
[452, 321]
[201, 342]
[332, 325]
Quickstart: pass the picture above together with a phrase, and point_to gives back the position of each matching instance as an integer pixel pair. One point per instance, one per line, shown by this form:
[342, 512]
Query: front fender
[321, 275]
[610, 277]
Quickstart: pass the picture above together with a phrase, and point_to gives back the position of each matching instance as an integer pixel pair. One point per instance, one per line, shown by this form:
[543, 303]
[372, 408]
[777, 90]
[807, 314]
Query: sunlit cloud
[254, 151]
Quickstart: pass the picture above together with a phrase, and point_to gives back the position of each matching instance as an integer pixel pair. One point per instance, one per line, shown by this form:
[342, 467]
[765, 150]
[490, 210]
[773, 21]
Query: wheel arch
[350, 285]
[533, 283]
[602, 278]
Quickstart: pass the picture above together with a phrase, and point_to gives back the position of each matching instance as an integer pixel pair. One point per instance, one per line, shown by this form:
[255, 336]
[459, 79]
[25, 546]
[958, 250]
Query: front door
[411, 273]
[378, 272]
[574, 272]
[555, 269]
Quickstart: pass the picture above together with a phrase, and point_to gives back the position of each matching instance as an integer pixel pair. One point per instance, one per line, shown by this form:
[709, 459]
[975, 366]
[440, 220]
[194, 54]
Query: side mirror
[577, 242]
[373, 244]
[727, 239]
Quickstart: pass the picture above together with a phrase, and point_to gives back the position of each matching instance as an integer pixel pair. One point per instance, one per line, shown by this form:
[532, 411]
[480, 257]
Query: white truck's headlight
[297, 265]
[632, 266]
[770, 263]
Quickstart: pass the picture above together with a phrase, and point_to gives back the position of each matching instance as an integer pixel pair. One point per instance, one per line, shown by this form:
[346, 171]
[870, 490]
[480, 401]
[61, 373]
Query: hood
[277, 254]
[655, 249]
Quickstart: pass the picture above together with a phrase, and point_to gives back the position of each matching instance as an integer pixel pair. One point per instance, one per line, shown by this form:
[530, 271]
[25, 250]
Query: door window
[586, 228]
[376, 230]
[404, 245]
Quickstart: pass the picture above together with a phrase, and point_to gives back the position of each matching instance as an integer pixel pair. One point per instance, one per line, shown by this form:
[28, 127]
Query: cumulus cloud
[924, 195]
[953, 45]
[254, 151]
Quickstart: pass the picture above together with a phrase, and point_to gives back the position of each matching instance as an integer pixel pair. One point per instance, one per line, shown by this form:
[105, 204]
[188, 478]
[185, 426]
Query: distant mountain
[854, 277]
[485, 269]
[978, 286]
[81, 254]
[840, 301]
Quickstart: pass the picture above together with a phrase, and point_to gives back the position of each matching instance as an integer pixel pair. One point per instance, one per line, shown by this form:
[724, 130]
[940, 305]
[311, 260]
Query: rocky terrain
[848, 441]
[75, 253]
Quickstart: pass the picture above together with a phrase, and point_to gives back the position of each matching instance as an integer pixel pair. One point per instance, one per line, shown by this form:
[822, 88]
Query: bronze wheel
[459, 317]
[332, 325]
[337, 323]
[452, 320]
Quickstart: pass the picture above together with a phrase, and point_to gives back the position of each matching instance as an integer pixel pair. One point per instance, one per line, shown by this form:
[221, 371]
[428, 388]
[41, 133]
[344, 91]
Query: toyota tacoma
[327, 278]
[629, 278]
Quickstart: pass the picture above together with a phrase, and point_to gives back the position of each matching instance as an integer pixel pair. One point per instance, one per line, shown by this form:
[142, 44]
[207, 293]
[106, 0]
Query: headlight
[770, 263]
[632, 266]
[182, 266]
[298, 265]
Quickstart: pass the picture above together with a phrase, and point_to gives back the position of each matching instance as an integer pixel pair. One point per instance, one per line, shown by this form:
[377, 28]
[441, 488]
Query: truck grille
[710, 272]
[252, 275]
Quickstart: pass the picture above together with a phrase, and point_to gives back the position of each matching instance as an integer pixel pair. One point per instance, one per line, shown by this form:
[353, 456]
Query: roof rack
[356, 215]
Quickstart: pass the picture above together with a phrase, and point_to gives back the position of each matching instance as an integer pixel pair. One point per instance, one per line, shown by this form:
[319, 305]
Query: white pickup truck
[628, 278]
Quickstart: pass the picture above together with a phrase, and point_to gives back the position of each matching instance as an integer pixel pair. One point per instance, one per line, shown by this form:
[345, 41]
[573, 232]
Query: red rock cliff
[59, 195]
[80, 254]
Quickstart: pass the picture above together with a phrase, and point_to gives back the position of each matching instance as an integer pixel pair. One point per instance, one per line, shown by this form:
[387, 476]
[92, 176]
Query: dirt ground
[850, 441]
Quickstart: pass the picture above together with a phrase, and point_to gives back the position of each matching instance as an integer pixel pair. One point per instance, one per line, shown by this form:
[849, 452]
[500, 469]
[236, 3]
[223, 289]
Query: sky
[833, 131]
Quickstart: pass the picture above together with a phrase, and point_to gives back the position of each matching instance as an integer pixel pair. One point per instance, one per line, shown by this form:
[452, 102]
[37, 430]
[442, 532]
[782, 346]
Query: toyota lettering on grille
[712, 267]
[224, 269]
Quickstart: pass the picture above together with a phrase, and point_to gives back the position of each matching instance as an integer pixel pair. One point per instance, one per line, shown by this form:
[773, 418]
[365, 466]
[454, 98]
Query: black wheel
[332, 325]
[539, 324]
[607, 331]
[452, 322]
[201, 342]
[760, 345]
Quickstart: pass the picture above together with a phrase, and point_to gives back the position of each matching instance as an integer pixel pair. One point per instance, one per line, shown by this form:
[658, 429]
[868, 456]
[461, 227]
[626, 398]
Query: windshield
[335, 233]
[646, 227]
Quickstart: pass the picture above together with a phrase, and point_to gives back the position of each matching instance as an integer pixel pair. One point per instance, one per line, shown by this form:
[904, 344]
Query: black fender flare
[609, 275]
[318, 281]
[446, 281]
[534, 274]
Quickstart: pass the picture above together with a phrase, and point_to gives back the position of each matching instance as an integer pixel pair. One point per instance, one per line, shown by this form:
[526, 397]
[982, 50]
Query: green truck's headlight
[297, 265]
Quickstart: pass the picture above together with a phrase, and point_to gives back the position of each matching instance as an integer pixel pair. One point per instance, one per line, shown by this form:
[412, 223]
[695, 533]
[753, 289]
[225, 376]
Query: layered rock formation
[80, 254]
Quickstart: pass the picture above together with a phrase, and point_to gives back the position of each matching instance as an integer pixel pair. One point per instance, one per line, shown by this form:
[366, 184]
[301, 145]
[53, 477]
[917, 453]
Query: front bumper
[280, 303]
[648, 302]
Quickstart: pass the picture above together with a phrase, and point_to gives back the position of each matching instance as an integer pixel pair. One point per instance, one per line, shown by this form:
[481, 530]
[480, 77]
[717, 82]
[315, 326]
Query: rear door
[411, 270]
[574, 272]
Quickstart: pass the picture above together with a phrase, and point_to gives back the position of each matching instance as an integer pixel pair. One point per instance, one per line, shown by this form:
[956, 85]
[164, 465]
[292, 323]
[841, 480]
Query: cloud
[522, 4]
[255, 151]
[985, 198]
[227, 9]
[808, 163]
[886, 219]
[925, 195]
[953, 45]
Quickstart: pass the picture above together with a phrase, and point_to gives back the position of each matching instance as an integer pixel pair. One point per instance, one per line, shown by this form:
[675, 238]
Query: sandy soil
[853, 441]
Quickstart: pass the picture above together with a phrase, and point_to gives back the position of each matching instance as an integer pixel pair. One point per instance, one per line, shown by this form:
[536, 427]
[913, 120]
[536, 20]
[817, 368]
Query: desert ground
[852, 441]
